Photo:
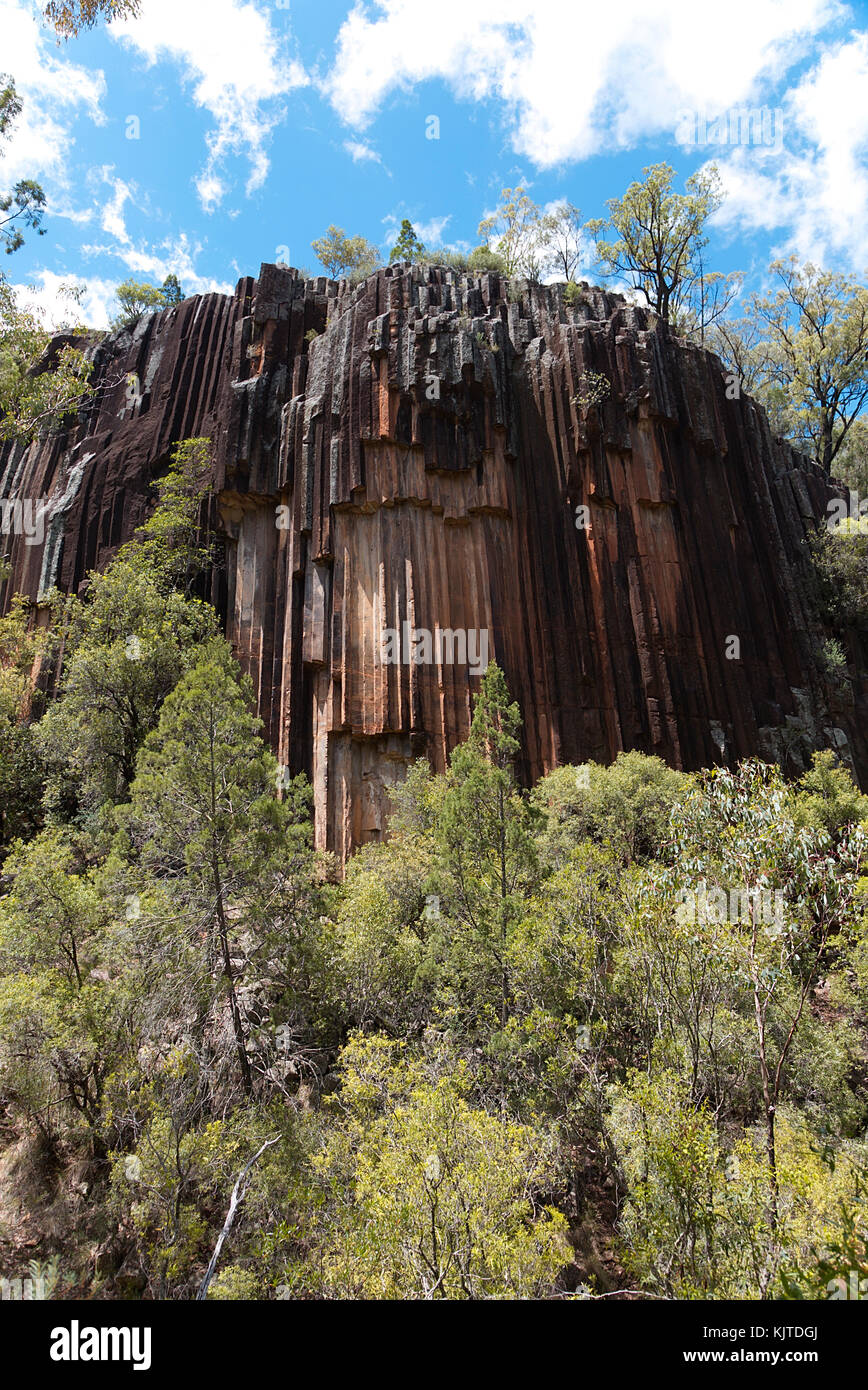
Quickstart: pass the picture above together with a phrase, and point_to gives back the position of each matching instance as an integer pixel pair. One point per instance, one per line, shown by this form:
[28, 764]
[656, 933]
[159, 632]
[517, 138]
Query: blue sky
[254, 125]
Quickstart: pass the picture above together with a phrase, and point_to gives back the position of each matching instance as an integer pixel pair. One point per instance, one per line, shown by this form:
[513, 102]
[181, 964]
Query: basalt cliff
[455, 452]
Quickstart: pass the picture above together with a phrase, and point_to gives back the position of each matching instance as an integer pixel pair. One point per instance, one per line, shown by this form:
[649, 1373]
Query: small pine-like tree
[408, 247]
[485, 836]
[171, 291]
[204, 807]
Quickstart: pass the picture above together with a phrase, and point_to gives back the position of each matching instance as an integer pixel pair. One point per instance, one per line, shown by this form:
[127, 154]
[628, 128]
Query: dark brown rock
[429, 454]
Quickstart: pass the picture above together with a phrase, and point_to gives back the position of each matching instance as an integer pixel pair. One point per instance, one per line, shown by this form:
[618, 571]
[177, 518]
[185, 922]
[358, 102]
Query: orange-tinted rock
[421, 460]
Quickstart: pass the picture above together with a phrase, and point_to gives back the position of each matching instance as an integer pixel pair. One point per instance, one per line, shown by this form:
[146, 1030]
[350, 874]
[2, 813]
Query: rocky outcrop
[431, 451]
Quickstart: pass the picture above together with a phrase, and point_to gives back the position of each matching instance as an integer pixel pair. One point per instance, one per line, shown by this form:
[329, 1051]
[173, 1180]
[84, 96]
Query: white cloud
[172, 256]
[238, 67]
[211, 189]
[81, 216]
[573, 79]
[360, 152]
[112, 219]
[430, 231]
[815, 192]
[54, 90]
[49, 296]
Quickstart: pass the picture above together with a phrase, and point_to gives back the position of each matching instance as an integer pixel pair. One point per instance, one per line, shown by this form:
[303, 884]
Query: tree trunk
[769, 1107]
[227, 971]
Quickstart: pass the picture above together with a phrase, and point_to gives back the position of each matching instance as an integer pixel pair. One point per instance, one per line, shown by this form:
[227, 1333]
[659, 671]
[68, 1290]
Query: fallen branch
[239, 1192]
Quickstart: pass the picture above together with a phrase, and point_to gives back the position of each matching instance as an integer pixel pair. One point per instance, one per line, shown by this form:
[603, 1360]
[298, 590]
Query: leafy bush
[840, 557]
[625, 806]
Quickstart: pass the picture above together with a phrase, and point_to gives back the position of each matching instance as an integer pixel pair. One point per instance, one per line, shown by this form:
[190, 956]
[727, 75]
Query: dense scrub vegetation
[609, 1034]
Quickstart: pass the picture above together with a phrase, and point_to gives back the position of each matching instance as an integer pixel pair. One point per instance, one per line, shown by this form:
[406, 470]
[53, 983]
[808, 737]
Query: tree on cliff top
[340, 253]
[171, 291]
[519, 232]
[137, 297]
[408, 247]
[565, 241]
[815, 351]
[658, 237]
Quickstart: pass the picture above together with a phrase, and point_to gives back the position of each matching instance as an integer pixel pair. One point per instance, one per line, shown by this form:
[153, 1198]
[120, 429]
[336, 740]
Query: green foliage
[625, 806]
[24, 203]
[696, 1225]
[235, 1284]
[170, 544]
[70, 17]
[851, 460]
[408, 247]
[827, 797]
[564, 240]
[482, 260]
[657, 239]
[204, 807]
[416, 800]
[531, 1042]
[837, 1268]
[22, 778]
[572, 294]
[379, 939]
[815, 353]
[137, 297]
[126, 644]
[487, 860]
[171, 291]
[429, 1196]
[669, 1149]
[24, 206]
[340, 253]
[840, 557]
[779, 954]
[175, 1180]
[23, 647]
[594, 389]
[60, 1030]
[519, 232]
[130, 644]
[10, 103]
[42, 378]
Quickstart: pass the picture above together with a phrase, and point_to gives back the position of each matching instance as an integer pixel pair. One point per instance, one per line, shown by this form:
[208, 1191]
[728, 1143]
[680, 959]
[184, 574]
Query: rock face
[570, 485]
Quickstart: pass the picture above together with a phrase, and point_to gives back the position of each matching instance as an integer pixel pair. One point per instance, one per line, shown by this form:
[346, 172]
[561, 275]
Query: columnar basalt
[418, 450]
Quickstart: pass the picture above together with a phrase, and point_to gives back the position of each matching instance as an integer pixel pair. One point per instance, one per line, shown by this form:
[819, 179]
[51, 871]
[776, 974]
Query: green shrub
[625, 805]
[572, 294]
[840, 557]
